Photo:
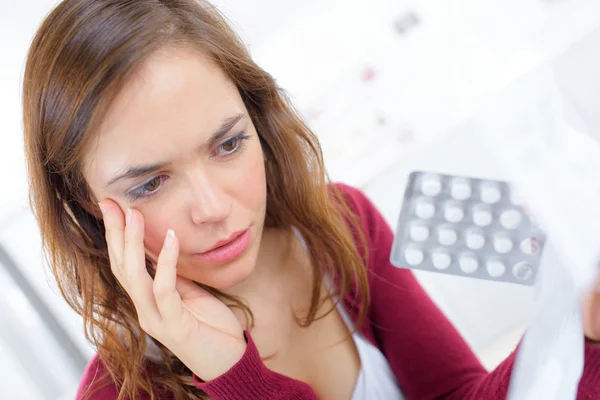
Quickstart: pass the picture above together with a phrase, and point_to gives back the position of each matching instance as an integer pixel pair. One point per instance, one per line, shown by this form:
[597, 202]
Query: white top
[375, 381]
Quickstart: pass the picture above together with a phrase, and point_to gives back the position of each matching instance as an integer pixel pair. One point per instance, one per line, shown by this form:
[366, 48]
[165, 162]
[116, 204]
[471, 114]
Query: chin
[228, 277]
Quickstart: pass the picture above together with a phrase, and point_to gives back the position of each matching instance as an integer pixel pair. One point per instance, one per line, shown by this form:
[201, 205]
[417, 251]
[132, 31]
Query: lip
[227, 250]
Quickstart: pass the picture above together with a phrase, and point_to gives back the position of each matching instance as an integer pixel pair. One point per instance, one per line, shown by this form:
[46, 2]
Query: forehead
[176, 97]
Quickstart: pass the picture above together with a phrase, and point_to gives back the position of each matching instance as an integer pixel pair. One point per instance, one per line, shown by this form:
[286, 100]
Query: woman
[187, 217]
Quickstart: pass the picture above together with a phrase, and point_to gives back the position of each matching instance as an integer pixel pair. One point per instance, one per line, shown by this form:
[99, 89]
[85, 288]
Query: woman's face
[179, 146]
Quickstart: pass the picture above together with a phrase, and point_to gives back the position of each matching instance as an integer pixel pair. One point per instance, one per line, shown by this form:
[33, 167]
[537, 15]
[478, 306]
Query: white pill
[482, 217]
[441, 259]
[447, 236]
[431, 185]
[468, 263]
[503, 244]
[516, 197]
[495, 268]
[475, 239]
[490, 193]
[522, 271]
[419, 232]
[529, 246]
[510, 219]
[453, 213]
[424, 209]
[461, 189]
[413, 256]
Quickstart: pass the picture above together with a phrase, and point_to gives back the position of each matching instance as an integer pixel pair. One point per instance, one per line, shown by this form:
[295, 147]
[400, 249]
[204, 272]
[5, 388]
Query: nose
[209, 203]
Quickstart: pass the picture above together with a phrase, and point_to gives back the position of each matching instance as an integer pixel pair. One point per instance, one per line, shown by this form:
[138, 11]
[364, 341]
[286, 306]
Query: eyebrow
[142, 170]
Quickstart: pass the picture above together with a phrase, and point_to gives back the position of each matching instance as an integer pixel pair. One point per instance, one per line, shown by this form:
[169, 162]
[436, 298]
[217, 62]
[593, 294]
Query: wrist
[221, 362]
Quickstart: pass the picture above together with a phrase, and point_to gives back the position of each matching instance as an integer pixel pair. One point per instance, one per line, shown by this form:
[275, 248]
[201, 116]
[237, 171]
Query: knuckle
[117, 270]
[149, 327]
[117, 266]
[146, 327]
[130, 276]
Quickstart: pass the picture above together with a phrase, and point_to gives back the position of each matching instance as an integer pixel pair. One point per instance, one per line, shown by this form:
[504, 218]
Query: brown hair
[83, 54]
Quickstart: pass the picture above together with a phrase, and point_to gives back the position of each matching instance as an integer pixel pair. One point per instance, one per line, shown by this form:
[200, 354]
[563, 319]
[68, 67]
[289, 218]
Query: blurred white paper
[538, 138]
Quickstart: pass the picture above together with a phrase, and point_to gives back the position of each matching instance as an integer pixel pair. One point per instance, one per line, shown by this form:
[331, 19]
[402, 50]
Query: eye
[147, 189]
[152, 185]
[231, 145]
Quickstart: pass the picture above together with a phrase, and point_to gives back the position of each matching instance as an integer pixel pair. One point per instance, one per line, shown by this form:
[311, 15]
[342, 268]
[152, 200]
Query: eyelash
[139, 192]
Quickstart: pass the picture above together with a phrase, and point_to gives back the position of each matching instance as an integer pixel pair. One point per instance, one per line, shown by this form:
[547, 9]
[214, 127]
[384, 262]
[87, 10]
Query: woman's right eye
[147, 189]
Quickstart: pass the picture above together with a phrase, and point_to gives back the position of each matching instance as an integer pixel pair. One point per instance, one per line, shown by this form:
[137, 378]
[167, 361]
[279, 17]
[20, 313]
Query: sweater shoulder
[372, 223]
[96, 382]
[359, 203]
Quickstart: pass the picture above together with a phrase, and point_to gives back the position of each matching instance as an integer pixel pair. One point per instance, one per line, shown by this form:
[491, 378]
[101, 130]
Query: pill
[447, 236]
[453, 213]
[510, 219]
[424, 209]
[460, 189]
[431, 185]
[503, 244]
[529, 246]
[419, 232]
[495, 268]
[522, 270]
[490, 193]
[468, 263]
[413, 256]
[482, 217]
[474, 239]
[516, 197]
[441, 259]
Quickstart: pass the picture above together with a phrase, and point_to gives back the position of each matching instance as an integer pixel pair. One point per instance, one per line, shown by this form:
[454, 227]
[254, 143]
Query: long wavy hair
[83, 54]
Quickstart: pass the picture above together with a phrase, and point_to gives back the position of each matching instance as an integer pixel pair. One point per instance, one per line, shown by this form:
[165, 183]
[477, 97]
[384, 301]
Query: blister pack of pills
[466, 226]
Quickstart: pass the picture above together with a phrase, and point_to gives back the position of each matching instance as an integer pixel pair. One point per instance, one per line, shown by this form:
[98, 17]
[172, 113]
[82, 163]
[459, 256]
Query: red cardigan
[426, 353]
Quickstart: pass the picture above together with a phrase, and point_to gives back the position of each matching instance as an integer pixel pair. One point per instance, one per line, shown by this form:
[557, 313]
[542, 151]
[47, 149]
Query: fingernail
[128, 216]
[170, 238]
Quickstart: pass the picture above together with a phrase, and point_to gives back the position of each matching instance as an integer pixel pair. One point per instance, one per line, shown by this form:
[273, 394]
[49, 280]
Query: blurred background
[387, 86]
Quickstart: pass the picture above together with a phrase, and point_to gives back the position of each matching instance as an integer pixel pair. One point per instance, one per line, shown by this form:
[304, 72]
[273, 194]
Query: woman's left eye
[231, 145]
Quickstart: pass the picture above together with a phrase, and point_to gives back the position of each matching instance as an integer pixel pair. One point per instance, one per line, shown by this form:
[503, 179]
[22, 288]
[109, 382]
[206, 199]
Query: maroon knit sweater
[428, 356]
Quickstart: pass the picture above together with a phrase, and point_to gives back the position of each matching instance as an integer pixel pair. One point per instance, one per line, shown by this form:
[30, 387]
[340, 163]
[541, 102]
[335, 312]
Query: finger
[591, 320]
[139, 282]
[167, 297]
[114, 225]
[591, 312]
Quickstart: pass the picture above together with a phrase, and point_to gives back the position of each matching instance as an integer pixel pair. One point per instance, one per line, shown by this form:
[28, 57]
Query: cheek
[251, 181]
[155, 231]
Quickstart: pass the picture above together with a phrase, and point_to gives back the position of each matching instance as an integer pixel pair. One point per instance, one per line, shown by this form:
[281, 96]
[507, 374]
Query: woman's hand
[197, 327]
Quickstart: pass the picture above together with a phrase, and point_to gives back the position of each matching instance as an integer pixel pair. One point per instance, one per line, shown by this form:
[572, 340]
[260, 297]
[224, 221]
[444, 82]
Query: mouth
[227, 250]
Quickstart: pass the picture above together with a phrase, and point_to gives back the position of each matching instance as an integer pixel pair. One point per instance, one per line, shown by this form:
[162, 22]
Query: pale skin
[204, 189]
